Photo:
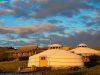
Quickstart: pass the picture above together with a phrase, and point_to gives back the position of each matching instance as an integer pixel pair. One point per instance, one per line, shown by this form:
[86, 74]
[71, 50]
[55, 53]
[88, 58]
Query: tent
[83, 49]
[55, 56]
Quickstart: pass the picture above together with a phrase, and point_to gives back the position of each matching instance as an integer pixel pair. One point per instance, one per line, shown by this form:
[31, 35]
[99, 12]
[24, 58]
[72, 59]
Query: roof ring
[82, 45]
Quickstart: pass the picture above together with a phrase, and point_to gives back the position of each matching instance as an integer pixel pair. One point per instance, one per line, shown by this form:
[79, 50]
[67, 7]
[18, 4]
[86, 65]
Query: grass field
[12, 66]
[89, 71]
[93, 70]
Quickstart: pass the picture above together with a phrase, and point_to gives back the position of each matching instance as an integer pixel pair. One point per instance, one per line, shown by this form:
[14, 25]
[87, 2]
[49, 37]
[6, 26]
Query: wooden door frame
[43, 59]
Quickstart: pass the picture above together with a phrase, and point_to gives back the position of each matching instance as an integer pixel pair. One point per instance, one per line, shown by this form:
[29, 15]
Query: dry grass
[12, 66]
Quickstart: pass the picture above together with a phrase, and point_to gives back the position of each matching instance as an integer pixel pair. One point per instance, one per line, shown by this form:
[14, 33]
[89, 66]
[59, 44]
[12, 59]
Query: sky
[66, 22]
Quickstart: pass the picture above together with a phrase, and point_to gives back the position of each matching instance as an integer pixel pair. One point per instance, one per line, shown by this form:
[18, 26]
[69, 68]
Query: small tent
[55, 56]
[83, 49]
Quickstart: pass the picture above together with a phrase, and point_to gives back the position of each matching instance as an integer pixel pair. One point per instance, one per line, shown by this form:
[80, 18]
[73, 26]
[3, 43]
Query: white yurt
[55, 57]
[83, 49]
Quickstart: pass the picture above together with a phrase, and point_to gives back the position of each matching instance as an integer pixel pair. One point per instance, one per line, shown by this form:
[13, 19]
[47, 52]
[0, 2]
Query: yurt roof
[56, 52]
[82, 44]
[27, 47]
[84, 50]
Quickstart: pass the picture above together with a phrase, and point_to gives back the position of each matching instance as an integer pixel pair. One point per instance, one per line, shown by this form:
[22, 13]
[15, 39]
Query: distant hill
[2, 49]
[4, 52]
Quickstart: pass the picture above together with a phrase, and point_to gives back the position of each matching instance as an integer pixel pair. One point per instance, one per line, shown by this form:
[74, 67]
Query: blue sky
[67, 22]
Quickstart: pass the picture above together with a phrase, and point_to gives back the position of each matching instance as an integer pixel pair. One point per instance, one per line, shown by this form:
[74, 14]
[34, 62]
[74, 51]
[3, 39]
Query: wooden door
[43, 61]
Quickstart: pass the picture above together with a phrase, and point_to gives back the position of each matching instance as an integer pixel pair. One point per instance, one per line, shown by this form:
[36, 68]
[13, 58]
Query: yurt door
[43, 61]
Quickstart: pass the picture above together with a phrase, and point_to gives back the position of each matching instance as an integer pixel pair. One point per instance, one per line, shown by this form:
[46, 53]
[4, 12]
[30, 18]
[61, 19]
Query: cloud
[98, 11]
[1, 23]
[2, 3]
[94, 20]
[10, 37]
[13, 35]
[6, 11]
[94, 1]
[39, 1]
[5, 30]
[54, 11]
[13, 43]
[32, 29]
[54, 21]
[90, 37]
[44, 8]
[27, 6]
[56, 6]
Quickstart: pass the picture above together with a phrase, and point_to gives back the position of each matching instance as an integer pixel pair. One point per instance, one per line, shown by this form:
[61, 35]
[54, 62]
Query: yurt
[55, 57]
[83, 50]
[27, 47]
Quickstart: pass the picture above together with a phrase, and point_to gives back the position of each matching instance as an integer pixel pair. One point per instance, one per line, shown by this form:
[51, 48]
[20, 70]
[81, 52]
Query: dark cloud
[3, 3]
[26, 31]
[13, 35]
[6, 11]
[26, 7]
[18, 42]
[57, 6]
[44, 8]
[13, 43]
[32, 28]
[90, 37]
[94, 20]
[21, 8]
[86, 17]
[70, 13]
[93, 23]
[93, 1]
[10, 36]
[53, 21]
[98, 11]
[4, 30]
[1, 23]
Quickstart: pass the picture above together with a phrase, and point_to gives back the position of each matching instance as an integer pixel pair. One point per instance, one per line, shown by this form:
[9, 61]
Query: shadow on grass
[75, 73]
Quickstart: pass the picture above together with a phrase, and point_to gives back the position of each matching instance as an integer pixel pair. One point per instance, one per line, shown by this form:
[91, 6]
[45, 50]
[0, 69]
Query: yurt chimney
[36, 48]
[50, 42]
